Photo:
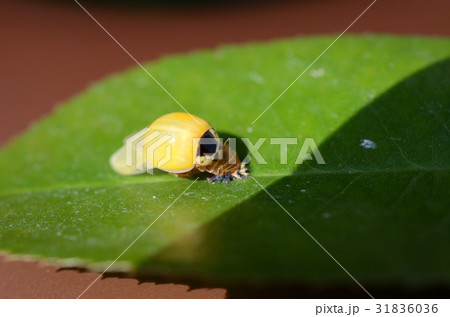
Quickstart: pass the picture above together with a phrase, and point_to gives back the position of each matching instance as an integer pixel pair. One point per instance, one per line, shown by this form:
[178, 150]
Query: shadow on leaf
[379, 206]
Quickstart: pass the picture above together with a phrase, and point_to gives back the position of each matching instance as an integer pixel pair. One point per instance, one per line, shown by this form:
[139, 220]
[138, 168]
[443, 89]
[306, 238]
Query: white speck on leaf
[368, 144]
[317, 72]
[141, 82]
[326, 215]
[303, 190]
[255, 77]
[249, 129]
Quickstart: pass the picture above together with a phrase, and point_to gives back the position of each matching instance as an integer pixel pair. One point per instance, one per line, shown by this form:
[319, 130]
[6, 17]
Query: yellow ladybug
[181, 144]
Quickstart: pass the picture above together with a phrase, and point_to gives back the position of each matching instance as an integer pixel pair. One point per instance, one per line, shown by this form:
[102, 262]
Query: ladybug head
[210, 148]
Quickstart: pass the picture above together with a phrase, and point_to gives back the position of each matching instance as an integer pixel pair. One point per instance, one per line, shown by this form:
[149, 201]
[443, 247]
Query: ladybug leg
[242, 172]
[223, 178]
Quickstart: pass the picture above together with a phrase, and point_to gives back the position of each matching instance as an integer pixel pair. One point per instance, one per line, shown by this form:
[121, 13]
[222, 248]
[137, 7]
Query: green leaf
[381, 212]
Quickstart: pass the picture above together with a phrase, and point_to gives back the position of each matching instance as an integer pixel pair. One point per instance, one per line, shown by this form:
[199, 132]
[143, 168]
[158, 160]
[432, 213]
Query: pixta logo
[148, 146]
[149, 149]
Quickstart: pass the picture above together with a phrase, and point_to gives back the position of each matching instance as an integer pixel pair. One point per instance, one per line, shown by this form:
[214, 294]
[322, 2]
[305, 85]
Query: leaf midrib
[59, 186]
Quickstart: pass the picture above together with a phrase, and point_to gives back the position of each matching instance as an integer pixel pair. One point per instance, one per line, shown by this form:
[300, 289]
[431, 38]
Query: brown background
[51, 50]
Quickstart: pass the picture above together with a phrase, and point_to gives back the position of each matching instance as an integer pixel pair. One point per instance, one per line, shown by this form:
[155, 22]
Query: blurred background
[52, 50]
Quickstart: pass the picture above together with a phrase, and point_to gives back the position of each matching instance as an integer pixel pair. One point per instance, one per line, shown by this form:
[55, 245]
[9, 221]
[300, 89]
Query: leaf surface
[377, 107]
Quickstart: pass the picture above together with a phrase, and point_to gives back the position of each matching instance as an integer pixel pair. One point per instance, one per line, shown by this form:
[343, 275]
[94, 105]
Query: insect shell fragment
[181, 144]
